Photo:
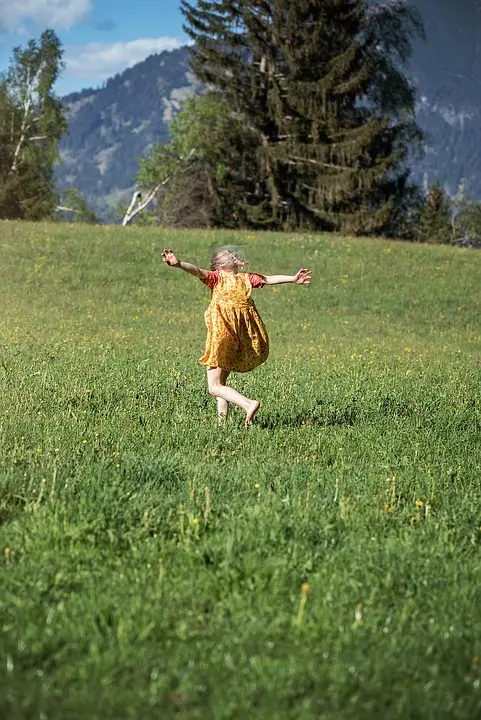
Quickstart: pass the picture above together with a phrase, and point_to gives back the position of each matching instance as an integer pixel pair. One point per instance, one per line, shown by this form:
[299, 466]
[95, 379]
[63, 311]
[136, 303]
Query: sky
[100, 37]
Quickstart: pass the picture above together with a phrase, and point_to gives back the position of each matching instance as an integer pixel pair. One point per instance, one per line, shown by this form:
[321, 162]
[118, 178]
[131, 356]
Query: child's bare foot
[253, 408]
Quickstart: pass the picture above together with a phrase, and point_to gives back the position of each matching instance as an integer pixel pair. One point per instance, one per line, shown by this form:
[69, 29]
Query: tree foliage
[437, 218]
[206, 190]
[467, 224]
[75, 208]
[31, 124]
[435, 221]
[320, 84]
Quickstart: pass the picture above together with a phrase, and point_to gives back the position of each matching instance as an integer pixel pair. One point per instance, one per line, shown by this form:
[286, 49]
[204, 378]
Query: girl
[236, 337]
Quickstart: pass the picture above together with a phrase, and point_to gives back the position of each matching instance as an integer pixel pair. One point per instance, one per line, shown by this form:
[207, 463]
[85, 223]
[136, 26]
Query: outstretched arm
[171, 259]
[302, 277]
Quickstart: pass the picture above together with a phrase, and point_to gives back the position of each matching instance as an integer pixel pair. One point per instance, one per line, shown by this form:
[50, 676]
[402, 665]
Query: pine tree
[320, 82]
[225, 61]
[435, 224]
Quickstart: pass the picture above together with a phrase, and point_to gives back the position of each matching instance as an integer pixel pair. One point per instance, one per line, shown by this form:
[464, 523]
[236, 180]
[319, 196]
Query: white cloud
[102, 60]
[45, 13]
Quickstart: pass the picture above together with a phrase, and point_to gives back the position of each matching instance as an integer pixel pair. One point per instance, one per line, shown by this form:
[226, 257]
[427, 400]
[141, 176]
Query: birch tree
[32, 121]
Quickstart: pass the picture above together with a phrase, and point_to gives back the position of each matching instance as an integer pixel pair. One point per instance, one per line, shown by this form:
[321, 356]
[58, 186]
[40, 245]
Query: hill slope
[110, 128]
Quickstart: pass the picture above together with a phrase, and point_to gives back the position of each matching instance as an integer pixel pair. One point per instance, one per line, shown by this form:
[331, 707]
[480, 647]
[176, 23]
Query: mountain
[447, 72]
[110, 128]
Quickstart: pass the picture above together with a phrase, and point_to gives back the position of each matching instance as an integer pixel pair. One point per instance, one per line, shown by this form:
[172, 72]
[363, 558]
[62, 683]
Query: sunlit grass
[324, 564]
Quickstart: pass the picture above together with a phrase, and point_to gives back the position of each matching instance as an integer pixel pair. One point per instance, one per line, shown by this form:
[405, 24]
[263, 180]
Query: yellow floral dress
[236, 337]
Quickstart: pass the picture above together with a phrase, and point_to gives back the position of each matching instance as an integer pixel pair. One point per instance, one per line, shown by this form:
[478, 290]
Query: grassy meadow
[325, 564]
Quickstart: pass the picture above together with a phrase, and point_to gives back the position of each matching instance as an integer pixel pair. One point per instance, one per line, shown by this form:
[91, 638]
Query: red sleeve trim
[211, 280]
[257, 281]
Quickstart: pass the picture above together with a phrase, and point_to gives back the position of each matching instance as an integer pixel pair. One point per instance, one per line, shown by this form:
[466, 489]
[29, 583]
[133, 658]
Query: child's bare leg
[225, 392]
[222, 410]
[222, 405]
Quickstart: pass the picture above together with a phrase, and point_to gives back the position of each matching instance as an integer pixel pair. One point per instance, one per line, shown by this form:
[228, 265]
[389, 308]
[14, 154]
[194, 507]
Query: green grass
[152, 563]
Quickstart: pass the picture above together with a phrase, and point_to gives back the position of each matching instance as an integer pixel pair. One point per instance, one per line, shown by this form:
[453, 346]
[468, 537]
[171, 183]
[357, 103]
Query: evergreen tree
[225, 61]
[321, 84]
[466, 221]
[435, 224]
[31, 124]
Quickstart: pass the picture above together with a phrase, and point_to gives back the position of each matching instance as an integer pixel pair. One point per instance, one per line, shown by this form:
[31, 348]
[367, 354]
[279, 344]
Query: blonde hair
[228, 256]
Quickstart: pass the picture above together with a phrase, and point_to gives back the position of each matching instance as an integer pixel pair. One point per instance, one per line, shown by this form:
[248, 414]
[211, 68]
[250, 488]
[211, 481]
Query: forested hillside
[111, 127]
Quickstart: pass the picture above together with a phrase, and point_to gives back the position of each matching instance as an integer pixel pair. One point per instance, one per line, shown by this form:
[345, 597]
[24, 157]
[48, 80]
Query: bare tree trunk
[32, 85]
[137, 204]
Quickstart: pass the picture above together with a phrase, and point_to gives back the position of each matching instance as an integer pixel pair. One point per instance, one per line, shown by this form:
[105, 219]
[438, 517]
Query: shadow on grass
[354, 412]
[318, 417]
[11, 507]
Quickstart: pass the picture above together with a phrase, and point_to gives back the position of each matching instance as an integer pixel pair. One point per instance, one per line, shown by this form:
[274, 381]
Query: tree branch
[137, 204]
[297, 160]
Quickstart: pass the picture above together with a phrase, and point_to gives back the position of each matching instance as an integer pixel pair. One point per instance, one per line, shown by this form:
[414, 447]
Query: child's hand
[170, 258]
[303, 277]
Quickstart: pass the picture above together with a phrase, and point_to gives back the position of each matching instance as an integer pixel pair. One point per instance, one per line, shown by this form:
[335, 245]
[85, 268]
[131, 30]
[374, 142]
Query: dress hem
[231, 369]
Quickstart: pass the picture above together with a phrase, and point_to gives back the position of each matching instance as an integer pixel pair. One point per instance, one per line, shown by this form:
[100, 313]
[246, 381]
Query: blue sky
[100, 37]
